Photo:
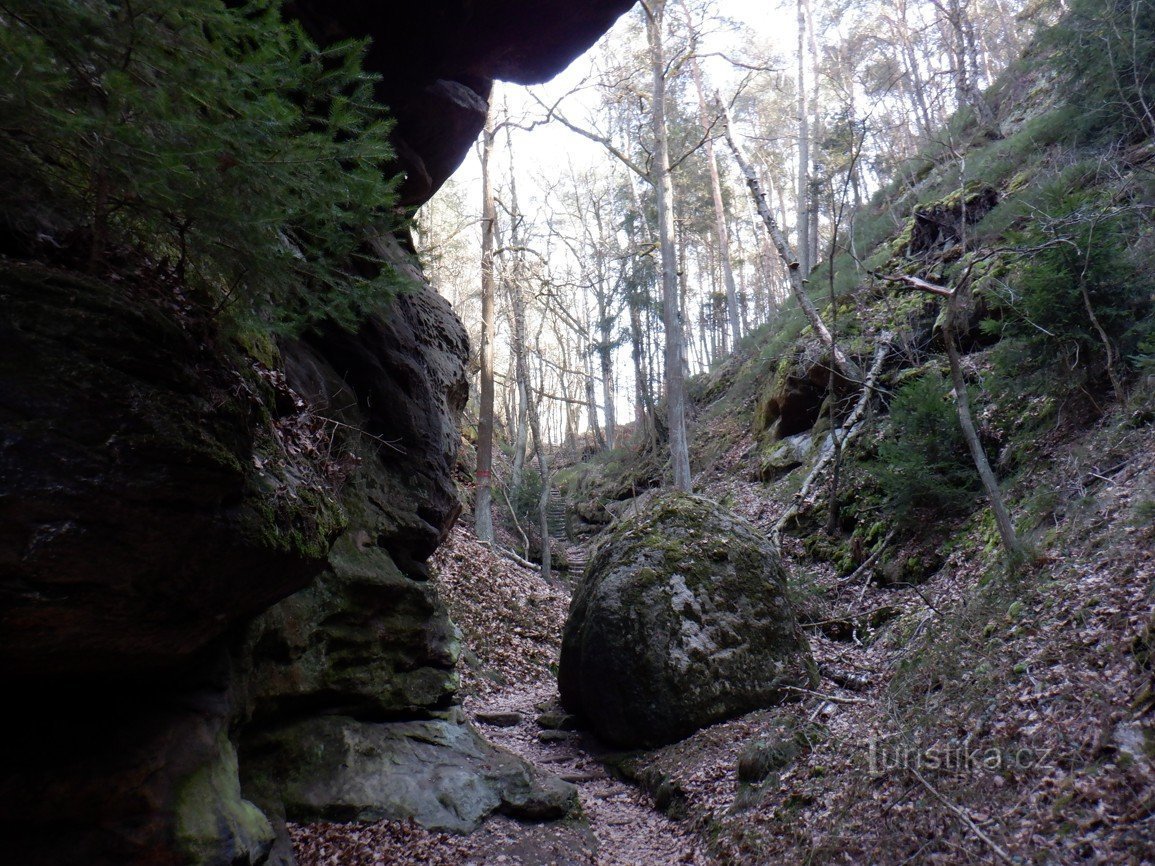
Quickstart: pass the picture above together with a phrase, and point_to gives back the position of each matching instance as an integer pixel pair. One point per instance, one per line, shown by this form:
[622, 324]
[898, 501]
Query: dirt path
[624, 822]
[511, 621]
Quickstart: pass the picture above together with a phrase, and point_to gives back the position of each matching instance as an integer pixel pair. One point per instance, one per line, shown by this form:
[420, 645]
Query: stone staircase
[577, 557]
[557, 518]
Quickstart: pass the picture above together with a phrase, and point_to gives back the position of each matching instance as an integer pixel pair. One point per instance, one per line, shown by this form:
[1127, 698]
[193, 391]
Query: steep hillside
[976, 705]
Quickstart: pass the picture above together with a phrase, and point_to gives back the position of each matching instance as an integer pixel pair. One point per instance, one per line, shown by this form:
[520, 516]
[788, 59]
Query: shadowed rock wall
[179, 574]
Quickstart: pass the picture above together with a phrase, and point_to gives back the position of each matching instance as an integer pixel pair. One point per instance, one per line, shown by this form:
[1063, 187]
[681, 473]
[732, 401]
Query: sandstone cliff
[181, 571]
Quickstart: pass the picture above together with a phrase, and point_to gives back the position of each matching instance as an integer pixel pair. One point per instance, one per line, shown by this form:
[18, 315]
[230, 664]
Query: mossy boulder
[213, 823]
[682, 620]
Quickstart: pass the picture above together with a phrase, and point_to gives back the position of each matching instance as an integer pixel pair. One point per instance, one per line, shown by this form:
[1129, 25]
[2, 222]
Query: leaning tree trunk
[793, 266]
[1016, 552]
[1014, 548]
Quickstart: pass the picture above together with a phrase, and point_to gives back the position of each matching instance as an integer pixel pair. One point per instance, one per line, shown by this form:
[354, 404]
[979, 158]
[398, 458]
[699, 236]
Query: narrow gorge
[215, 609]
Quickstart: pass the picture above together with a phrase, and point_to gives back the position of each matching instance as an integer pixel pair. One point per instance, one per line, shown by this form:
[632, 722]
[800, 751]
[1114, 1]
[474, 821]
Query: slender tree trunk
[606, 363]
[645, 408]
[483, 497]
[592, 399]
[663, 186]
[644, 401]
[720, 227]
[816, 132]
[803, 223]
[521, 443]
[1015, 551]
[533, 407]
[914, 71]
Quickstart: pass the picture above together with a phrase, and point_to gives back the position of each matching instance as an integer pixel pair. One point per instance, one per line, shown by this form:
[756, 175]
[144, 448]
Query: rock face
[182, 581]
[438, 62]
[133, 525]
[135, 529]
[439, 772]
[348, 685]
[792, 403]
[681, 620]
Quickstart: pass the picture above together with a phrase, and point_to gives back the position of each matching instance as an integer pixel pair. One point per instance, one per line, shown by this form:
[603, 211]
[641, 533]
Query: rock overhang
[438, 61]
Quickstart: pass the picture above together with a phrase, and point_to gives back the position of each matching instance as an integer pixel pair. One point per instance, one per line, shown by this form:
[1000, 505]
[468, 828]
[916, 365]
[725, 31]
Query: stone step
[556, 515]
[577, 557]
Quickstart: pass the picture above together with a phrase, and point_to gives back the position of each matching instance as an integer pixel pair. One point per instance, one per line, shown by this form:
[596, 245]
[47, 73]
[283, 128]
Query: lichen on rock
[682, 620]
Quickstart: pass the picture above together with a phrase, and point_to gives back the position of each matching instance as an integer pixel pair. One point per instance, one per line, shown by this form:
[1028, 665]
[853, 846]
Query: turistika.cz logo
[957, 757]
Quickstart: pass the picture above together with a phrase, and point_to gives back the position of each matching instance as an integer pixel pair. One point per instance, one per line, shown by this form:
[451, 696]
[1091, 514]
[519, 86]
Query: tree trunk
[816, 132]
[543, 469]
[521, 443]
[803, 215]
[793, 267]
[592, 400]
[606, 364]
[483, 497]
[1015, 551]
[663, 186]
[720, 227]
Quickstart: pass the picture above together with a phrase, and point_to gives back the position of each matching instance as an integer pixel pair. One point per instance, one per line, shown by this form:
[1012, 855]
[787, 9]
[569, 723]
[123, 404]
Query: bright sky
[550, 147]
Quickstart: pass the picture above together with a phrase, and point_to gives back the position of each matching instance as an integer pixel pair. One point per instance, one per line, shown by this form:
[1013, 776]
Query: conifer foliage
[212, 139]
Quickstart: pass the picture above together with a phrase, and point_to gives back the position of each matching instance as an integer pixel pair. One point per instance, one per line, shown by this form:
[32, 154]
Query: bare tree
[483, 495]
[793, 266]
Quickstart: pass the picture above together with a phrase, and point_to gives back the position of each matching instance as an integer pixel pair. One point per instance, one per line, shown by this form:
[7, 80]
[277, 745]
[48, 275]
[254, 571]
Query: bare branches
[851, 427]
[552, 113]
[959, 813]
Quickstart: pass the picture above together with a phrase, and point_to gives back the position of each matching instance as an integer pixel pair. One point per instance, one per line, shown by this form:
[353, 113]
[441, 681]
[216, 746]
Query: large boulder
[682, 620]
[439, 772]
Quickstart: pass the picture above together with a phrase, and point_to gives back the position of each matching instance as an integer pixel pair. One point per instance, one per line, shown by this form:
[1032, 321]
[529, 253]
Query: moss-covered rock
[792, 402]
[213, 823]
[682, 620]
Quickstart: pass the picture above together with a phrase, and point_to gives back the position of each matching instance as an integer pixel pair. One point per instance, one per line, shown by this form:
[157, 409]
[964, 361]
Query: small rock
[579, 777]
[555, 736]
[499, 718]
[558, 720]
[762, 757]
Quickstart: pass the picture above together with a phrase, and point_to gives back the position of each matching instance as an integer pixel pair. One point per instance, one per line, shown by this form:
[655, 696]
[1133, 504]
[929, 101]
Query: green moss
[213, 823]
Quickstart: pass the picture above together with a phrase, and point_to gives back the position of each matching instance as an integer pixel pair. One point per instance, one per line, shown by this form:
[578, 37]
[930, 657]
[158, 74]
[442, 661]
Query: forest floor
[511, 621]
[973, 718]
